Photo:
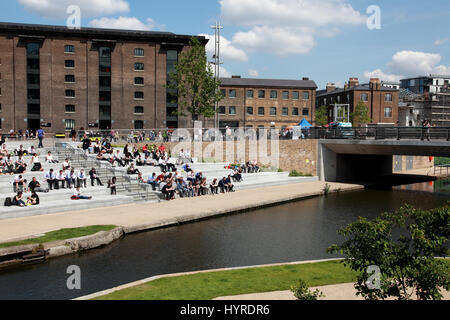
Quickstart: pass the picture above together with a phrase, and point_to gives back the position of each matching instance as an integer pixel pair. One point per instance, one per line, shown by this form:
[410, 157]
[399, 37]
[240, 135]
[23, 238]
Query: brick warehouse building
[254, 103]
[88, 78]
[382, 102]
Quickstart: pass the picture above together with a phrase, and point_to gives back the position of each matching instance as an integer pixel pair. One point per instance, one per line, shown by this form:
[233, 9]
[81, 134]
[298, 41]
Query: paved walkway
[438, 173]
[344, 291]
[139, 217]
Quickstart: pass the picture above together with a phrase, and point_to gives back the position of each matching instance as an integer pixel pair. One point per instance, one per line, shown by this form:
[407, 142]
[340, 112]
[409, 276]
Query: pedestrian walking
[41, 135]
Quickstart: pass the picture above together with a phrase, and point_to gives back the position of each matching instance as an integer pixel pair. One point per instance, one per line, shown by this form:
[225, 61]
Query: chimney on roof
[305, 79]
[346, 86]
[353, 82]
[331, 87]
[235, 77]
[375, 84]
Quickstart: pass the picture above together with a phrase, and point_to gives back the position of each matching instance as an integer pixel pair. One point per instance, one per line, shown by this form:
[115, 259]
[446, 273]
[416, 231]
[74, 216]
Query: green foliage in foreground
[403, 245]
[207, 286]
[294, 173]
[302, 292]
[63, 234]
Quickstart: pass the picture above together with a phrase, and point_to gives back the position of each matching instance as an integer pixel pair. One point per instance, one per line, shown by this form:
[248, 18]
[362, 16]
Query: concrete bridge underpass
[367, 160]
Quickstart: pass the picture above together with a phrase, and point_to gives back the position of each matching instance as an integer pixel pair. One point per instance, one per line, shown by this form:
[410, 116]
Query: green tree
[404, 246]
[321, 118]
[361, 115]
[194, 81]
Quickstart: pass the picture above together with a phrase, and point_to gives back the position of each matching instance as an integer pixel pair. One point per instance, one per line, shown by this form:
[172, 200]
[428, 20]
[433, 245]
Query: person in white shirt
[19, 183]
[31, 151]
[51, 178]
[66, 165]
[163, 164]
[49, 158]
[36, 164]
[81, 179]
[68, 175]
[187, 156]
[77, 195]
[60, 177]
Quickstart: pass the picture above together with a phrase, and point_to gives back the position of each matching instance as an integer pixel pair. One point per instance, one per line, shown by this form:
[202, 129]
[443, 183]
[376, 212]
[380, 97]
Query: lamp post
[217, 27]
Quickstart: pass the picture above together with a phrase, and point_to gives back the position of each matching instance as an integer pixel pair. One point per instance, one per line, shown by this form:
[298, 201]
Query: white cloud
[227, 50]
[224, 73]
[89, 8]
[378, 73]
[286, 27]
[126, 23]
[290, 13]
[279, 41]
[410, 64]
[253, 73]
[440, 42]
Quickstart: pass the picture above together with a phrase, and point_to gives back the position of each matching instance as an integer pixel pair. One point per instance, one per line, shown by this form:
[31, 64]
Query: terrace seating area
[60, 200]
[154, 169]
[130, 186]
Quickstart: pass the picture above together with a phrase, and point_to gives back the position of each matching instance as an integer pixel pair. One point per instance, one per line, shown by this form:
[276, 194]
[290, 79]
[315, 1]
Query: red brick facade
[86, 43]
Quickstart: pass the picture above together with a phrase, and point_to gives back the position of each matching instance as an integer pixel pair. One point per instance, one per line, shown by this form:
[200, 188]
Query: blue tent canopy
[305, 124]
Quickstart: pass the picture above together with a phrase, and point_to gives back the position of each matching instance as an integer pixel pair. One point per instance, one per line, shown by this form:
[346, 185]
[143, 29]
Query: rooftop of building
[236, 81]
[430, 76]
[359, 87]
[37, 30]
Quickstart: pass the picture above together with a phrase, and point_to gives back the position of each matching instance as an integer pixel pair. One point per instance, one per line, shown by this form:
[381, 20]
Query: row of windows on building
[286, 95]
[104, 95]
[138, 52]
[364, 97]
[70, 108]
[70, 64]
[70, 124]
[273, 111]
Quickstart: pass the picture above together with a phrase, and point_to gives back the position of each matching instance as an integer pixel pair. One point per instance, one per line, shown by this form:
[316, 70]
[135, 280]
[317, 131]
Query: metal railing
[442, 168]
[207, 135]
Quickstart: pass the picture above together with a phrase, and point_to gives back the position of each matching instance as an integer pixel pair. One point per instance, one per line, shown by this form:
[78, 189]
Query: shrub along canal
[292, 232]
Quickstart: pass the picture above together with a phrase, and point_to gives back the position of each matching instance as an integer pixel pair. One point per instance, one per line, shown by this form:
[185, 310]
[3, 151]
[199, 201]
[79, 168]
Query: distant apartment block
[382, 101]
[266, 103]
[426, 84]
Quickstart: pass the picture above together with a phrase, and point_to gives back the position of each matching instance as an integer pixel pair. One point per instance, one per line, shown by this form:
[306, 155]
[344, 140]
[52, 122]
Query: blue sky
[326, 40]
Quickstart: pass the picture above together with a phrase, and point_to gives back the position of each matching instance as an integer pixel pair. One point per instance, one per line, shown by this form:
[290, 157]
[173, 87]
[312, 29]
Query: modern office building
[381, 101]
[61, 79]
[256, 103]
[427, 84]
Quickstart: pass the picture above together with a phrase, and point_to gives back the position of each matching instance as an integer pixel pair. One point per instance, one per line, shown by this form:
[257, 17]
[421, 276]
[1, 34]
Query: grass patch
[294, 173]
[207, 286]
[63, 234]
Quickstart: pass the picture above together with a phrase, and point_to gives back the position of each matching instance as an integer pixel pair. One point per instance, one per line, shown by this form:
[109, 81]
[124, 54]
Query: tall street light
[217, 28]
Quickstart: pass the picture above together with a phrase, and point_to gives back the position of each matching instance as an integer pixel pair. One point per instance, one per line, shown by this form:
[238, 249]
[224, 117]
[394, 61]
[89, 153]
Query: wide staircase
[128, 189]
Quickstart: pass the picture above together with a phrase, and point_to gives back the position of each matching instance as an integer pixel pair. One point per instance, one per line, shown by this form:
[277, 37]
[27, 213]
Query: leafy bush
[294, 173]
[302, 292]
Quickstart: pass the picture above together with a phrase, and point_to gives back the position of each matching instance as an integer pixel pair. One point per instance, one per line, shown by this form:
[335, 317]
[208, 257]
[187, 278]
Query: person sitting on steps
[18, 200]
[94, 177]
[33, 200]
[77, 195]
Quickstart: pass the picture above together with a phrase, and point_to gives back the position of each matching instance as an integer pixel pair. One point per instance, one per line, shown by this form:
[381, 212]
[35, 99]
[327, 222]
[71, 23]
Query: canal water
[287, 233]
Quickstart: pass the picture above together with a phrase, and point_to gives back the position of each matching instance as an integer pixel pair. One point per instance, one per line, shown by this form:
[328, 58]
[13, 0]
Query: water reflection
[291, 232]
